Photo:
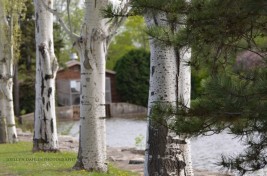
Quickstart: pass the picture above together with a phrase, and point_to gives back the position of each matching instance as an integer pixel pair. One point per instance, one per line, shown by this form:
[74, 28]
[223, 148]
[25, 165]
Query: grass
[17, 159]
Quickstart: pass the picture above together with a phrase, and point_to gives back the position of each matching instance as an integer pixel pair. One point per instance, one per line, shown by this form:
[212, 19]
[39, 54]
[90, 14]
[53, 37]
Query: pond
[206, 151]
[120, 132]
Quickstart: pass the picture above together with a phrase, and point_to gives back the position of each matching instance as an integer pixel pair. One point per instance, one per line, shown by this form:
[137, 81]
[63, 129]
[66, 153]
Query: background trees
[27, 62]
[10, 39]
[3, 38]
[132, 76]
[131, 35]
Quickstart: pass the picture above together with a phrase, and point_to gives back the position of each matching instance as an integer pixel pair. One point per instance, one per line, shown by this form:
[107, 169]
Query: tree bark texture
[45, 131]
[16, 92]
[3, 130]
[6, 76]
[92, 49]
[166, 153]
[184, 97]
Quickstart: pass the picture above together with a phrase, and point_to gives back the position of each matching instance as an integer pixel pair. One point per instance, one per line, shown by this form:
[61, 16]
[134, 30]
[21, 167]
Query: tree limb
[72, 35]
[124, 9]
[68, 11]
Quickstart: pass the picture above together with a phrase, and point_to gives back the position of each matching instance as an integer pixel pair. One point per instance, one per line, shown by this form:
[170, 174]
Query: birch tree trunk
[166, 153]
[3, 130]
[6, 75]
[45, 131]
[92, 49]
[184, 97]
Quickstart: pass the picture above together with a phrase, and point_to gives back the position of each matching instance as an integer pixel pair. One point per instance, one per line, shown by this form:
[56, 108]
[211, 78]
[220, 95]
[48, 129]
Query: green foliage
[232, 101]
[130, 36]
[14, 13]
[26, 63]
[197, 79]
[217, 31]
[27, 95]
[27, 47]
[132, 77]
[18, 159]
[139, 141]
[237, 102]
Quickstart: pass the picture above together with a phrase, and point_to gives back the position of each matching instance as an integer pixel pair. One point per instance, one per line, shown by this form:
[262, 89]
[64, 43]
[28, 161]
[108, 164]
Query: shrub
[132, 77]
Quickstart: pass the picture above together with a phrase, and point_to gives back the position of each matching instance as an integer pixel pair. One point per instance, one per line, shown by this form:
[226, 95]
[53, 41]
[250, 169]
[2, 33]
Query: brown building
[68, 85]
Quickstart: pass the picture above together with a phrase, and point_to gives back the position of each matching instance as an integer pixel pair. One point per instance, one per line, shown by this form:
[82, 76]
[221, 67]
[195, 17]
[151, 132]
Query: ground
[119, 156]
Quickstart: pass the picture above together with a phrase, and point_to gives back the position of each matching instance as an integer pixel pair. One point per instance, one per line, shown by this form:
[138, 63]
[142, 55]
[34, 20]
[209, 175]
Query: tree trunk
[166, 154]
[16, 92]
[6, 74]
[9, 111]
[92, 51]
[184, 97]
[3, 130]
[45, 131]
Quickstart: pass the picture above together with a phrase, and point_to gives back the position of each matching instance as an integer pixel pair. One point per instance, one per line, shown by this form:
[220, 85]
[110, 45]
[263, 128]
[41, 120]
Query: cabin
[249, 60]
[68, 94]
[68, 85]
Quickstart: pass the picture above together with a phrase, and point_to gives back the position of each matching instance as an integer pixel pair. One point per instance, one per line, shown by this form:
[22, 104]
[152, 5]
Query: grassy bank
[17, 159]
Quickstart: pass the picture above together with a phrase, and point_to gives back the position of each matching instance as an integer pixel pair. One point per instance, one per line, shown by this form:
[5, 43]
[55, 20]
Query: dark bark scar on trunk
[52, 126]
[49, 92]
[48, 77]
[86, 62]
[42, 49]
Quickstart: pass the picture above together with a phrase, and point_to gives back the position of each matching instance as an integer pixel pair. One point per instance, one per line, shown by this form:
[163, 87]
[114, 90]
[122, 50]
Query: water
[206, 151]
[120, 132]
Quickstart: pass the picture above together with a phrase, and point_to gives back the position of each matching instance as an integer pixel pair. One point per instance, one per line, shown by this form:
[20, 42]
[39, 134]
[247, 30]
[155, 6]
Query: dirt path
[120, 157]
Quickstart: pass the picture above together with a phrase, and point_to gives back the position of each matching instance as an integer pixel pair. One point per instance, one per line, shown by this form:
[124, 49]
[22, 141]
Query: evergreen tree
[232, 99]
[233, 96]
[166, 153]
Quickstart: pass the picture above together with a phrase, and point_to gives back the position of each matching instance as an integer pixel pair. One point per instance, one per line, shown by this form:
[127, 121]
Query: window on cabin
[75, 86]
[108, 90]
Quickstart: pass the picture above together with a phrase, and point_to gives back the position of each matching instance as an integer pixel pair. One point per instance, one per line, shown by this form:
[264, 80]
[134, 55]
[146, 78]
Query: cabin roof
[72, 63]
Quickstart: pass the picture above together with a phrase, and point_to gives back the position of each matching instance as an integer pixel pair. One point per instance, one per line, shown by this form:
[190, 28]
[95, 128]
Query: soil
[120, 157]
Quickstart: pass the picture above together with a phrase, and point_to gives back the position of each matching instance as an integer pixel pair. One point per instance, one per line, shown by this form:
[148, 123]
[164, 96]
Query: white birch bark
[3, 127]
[3, 29]
[165, 152]
[6, 74]
[92, 49]
[45, 131]
[184, 96]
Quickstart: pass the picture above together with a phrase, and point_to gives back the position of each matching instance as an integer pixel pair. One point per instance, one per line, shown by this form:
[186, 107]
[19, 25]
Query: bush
[27, 95]
[132, 77]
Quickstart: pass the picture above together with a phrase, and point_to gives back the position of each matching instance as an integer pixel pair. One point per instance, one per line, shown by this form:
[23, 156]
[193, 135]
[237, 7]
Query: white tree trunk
[3, 127]
[184, 96]
[166, 154]
[45, 131]
[6, 74]
[92, 49]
